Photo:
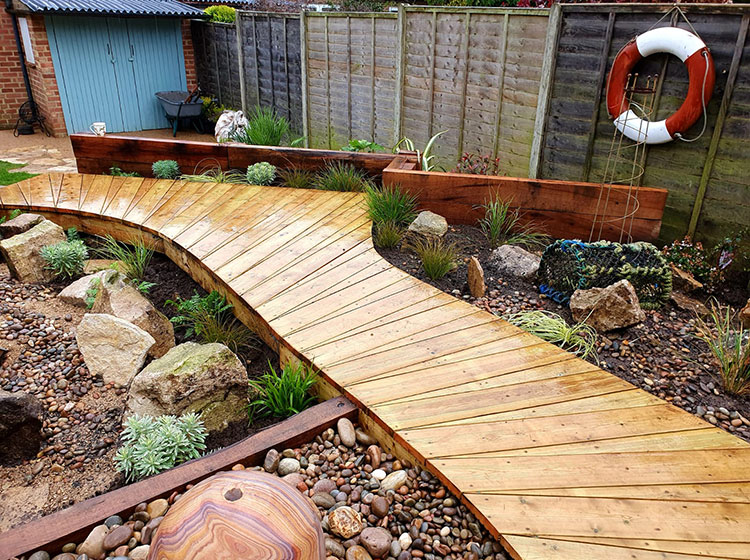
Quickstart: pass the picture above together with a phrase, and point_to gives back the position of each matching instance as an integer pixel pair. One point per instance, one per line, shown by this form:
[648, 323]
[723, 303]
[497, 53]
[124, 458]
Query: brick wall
[189, 52]
[12, 91]
[42, 76]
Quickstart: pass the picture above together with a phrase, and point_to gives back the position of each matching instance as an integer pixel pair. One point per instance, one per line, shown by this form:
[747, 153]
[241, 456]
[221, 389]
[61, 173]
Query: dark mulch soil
[661, 355]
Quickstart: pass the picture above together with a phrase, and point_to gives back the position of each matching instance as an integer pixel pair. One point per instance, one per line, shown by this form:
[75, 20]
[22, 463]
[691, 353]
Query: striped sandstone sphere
[240, 514]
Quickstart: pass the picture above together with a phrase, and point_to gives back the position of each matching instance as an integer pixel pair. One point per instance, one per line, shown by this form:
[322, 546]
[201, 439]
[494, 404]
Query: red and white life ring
[686, 46]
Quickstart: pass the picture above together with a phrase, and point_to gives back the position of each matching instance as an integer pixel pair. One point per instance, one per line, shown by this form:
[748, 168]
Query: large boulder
[512, 260]
[429, 223]
[204, 378]
[22, 252]
[112, 347]
[83, 291]
[19, 224]
[20, 425]
[117, 297]
[606, 309]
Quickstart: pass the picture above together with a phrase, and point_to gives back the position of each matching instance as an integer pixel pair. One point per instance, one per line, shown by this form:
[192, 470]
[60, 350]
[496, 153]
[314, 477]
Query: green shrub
[388, 234]
[117, 172]
[221, 14]
[363, 146]
[438, 256]
[261, 173]
[343, 177]
[133, 259]
[66, 259]
[390, 205]
[264, 128]
[209, 318]
[501, 226]
[730, 346]
[282, 395]
[297, 178]
[580, 338]
[166, 169]
[153, 445]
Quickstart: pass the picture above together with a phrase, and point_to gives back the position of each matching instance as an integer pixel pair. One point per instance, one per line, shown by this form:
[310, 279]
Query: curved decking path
[560, 459]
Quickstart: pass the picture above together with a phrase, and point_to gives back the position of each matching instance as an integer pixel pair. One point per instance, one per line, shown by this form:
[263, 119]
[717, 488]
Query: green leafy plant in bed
[296, 178]
[210, 319]
[363, 146]
[66, 259]
[133, 258]
[438, 256]
[166, 169]
[729, 343]
[580, 338]
[8, 178]
[118, 172]
[261, 173]
[344, 177]
[502, 225]
[153, 445]
[282, 394]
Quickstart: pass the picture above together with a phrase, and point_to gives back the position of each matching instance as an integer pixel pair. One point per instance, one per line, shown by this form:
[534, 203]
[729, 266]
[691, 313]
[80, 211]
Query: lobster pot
[570, 265]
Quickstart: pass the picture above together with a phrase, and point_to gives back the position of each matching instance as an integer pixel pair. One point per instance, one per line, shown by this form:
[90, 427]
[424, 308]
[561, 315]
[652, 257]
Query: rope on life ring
[691, 50]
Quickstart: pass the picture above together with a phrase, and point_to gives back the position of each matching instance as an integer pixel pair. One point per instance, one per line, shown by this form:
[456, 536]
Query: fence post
[401, 50]
[303, 75]
[716, 136]
[545, 89]
[241, 59]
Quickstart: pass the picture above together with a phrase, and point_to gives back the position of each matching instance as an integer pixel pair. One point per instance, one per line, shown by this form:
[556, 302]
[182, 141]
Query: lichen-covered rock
[22, 252]
[511, 260]
[78, 293]
[117, 297]
[606, 309]
[429, 223]
[113, 348]
[20, 425]
[345, 522]
[191, 377]
[19, 224]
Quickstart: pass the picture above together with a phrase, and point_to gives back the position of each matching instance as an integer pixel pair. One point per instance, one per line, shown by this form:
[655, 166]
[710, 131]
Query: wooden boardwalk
[560, 459]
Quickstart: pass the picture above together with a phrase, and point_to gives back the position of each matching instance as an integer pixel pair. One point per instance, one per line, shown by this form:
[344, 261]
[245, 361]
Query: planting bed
[83, 415]
[661, 355]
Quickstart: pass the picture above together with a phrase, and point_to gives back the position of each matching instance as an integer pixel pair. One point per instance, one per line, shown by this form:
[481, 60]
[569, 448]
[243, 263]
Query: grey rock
[288, 466]
[429, 223]
[511, 260]
[20, 224]
[22, 252]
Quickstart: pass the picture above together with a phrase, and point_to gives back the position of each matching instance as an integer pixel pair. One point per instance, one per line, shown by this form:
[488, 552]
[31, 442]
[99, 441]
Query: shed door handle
[132, 53]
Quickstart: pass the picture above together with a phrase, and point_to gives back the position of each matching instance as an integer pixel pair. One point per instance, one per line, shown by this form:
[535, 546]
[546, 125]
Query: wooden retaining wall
[51, 532]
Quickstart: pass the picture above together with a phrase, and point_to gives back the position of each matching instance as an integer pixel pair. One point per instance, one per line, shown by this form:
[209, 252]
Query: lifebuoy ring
[686, 46]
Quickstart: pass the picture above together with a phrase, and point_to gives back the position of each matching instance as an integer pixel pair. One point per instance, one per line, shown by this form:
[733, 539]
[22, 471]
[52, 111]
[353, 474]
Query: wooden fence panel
[217, 63]
[351, 62]
[579, 131]
[474, 74]
[270, 63]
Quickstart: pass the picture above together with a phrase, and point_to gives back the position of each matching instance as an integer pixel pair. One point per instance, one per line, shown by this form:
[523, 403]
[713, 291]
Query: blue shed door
[108, 69]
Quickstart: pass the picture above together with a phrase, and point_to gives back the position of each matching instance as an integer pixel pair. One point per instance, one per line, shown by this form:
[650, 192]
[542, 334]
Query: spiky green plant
[438, 256]
[580, 338]
[133, 259]
[338, 176]
[261, 173]
[216, 175]
[425, 156]
[92, 291]
[296, 178]
[66, 259]
[390, 205]
[502, 225]
[730, 346]
[387, 234]
[166, 169]
[282, 395]
[153, 445]
[264, 128]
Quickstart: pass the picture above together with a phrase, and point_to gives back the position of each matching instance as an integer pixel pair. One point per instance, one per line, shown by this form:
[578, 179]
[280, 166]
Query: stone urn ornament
[240, 514]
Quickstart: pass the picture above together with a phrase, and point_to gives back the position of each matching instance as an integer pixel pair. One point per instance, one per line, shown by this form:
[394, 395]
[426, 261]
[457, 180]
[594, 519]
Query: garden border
[70, 524]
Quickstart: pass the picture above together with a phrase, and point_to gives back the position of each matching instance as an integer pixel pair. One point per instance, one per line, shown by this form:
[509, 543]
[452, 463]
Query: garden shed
[103, 60]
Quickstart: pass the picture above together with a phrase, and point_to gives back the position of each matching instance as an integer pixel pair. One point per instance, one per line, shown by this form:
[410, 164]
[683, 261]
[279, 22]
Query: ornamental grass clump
[296, 178]
[501, 226]
[261, 173]
[342, 177]
[166, 169]
[153, 445]
[730, 346]
[387, 235]
[66, 259]
[580, 339]
[133, 259]
[390, 205]
[264, 128]
[216, 175]
[438, 257]
[282, 395]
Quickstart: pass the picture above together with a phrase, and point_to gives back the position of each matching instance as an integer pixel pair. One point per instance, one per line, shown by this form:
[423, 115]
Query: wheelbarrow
[181, 105]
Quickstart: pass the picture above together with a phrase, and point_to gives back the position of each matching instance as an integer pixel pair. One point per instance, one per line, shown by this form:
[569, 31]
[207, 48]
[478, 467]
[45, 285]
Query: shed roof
[114, 7]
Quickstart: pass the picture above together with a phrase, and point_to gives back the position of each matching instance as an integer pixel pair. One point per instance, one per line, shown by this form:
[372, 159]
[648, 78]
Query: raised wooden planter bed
[50, 533]
[563, 209]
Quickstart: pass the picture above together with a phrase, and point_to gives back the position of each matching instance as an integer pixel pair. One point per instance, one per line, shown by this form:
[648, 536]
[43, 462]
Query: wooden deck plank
[561, 459]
